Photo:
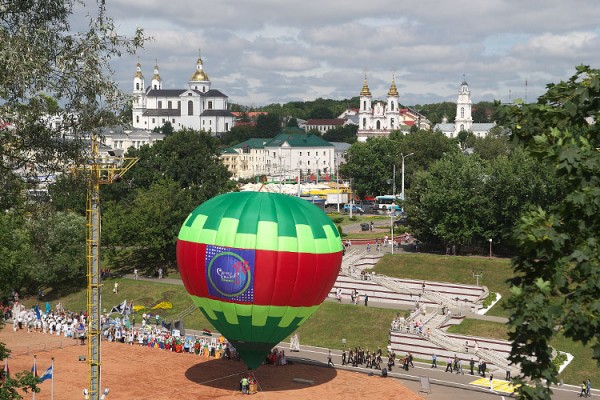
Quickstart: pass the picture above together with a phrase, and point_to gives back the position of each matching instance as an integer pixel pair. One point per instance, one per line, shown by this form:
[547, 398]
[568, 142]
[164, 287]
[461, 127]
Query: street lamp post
[392, 228]
[403, 157]
[490, 248]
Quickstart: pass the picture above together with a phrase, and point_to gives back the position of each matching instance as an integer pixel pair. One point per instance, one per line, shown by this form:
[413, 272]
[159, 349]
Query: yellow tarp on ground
[497, 385]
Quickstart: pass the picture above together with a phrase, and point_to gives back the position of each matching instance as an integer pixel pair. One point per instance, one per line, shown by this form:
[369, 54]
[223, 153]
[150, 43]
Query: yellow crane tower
[100, 171]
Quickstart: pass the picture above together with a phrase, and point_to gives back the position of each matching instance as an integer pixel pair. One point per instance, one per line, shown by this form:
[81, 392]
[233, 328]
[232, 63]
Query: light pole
[477, 276]
[490, 248]
[403, 157]
[392, 227]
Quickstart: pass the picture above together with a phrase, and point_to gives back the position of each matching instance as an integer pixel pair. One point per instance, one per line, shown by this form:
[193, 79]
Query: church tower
[463, 121]
[393, 106]
[199, 80]
[156, 81]
[365, 110]
[139, 94]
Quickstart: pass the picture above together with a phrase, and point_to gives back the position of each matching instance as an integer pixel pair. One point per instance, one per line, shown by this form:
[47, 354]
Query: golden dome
[138, 71]
[365, 89]
[199, 74]
[393, 90]
[156, 74]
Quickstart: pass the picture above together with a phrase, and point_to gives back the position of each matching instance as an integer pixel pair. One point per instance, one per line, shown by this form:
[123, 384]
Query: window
[159, 105]
[300, 154]
[462, 127]
[190, 107]
[364, 123]
[364, 105]
[210, 104]
[169, 104]
[153, 120]
[137, 86]
[137, 118]
[173, 121]
[462, 112]
[308, 153]
[391, 122]
[226, 126]
[378, 124]
[392, 106]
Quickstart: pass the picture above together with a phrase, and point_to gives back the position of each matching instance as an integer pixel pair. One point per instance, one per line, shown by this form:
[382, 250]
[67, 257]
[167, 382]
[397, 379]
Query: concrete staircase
[433, 323]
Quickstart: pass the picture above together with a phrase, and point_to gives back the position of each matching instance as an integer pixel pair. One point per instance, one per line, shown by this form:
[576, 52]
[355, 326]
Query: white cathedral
[379, 119]
[464, 120]
[198, 107]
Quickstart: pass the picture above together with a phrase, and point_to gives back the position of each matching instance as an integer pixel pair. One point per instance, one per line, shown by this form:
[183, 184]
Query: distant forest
[484, 111]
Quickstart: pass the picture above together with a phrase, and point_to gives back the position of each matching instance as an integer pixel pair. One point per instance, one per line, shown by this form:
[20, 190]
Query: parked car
[355, 208]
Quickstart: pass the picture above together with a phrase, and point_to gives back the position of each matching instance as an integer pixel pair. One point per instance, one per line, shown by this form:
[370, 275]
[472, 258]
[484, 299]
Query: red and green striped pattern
[297, 255]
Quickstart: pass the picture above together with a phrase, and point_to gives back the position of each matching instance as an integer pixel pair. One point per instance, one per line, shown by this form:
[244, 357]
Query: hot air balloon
[258, 265]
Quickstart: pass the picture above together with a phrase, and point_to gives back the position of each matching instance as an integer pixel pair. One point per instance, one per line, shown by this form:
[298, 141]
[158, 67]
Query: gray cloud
[268, 51]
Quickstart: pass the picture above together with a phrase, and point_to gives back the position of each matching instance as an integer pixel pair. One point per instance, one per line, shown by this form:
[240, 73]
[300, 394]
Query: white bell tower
[464, 120]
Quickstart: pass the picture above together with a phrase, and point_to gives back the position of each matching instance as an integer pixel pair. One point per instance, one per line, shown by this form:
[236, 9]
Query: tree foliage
[557, 283]
[43, 63]
[346, 133]
[371, 163]
[467, 200]
[144, 212]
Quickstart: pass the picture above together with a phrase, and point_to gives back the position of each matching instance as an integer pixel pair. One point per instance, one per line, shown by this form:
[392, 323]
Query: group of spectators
[359, 357]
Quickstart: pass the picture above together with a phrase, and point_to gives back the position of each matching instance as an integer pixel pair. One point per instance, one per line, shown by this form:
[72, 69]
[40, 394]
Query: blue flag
[37, 312]
[47, 375]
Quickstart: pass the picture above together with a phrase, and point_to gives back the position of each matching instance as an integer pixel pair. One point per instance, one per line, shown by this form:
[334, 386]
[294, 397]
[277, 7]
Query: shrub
[353, 218]
[489, 300]
[337, 220]
[559, 360]
[340, 230]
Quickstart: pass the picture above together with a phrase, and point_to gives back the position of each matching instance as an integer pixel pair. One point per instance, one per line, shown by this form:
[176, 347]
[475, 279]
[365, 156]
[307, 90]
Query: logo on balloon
[230, 273]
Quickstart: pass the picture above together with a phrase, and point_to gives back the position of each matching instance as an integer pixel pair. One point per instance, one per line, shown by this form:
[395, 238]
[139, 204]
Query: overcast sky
[259, 52]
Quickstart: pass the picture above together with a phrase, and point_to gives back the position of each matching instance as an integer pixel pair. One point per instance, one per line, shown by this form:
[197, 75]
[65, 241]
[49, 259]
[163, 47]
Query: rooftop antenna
[509, 95]
[525, 90]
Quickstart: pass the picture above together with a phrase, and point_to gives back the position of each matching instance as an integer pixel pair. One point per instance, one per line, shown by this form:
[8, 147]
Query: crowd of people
[359, 357]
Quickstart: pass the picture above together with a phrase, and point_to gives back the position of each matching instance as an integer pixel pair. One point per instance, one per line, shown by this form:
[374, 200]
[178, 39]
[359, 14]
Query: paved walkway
[443, 385]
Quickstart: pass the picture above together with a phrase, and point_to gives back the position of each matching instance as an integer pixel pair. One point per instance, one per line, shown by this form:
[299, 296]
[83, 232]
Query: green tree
[268, 125]
[370, 167]
[345, 133]
[43, 64]
[144, 232]
[15, 252]
[69, 193]
[57, 243]
[238, 134]
[449, 202]
[557, 283]
[184, 169]
[321, 113]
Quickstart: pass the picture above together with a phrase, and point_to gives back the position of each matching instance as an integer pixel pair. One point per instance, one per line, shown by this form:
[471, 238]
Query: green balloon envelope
[258, 265]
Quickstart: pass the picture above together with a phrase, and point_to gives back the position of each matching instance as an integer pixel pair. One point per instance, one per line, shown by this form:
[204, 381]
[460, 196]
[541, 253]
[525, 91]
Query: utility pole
[99, 172]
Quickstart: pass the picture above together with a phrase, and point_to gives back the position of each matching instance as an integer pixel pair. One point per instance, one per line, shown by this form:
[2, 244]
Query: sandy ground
[133, 372]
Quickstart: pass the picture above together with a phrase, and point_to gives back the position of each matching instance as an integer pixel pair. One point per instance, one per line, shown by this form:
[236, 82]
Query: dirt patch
[134, 372]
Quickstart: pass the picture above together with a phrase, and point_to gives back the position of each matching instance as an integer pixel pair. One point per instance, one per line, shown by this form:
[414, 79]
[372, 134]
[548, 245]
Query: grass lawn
[367, 327]
[361, 326]
[582, 366]
[453, 269]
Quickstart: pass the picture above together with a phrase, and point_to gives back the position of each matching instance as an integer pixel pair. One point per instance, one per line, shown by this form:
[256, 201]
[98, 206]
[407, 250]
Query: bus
[386, 203]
